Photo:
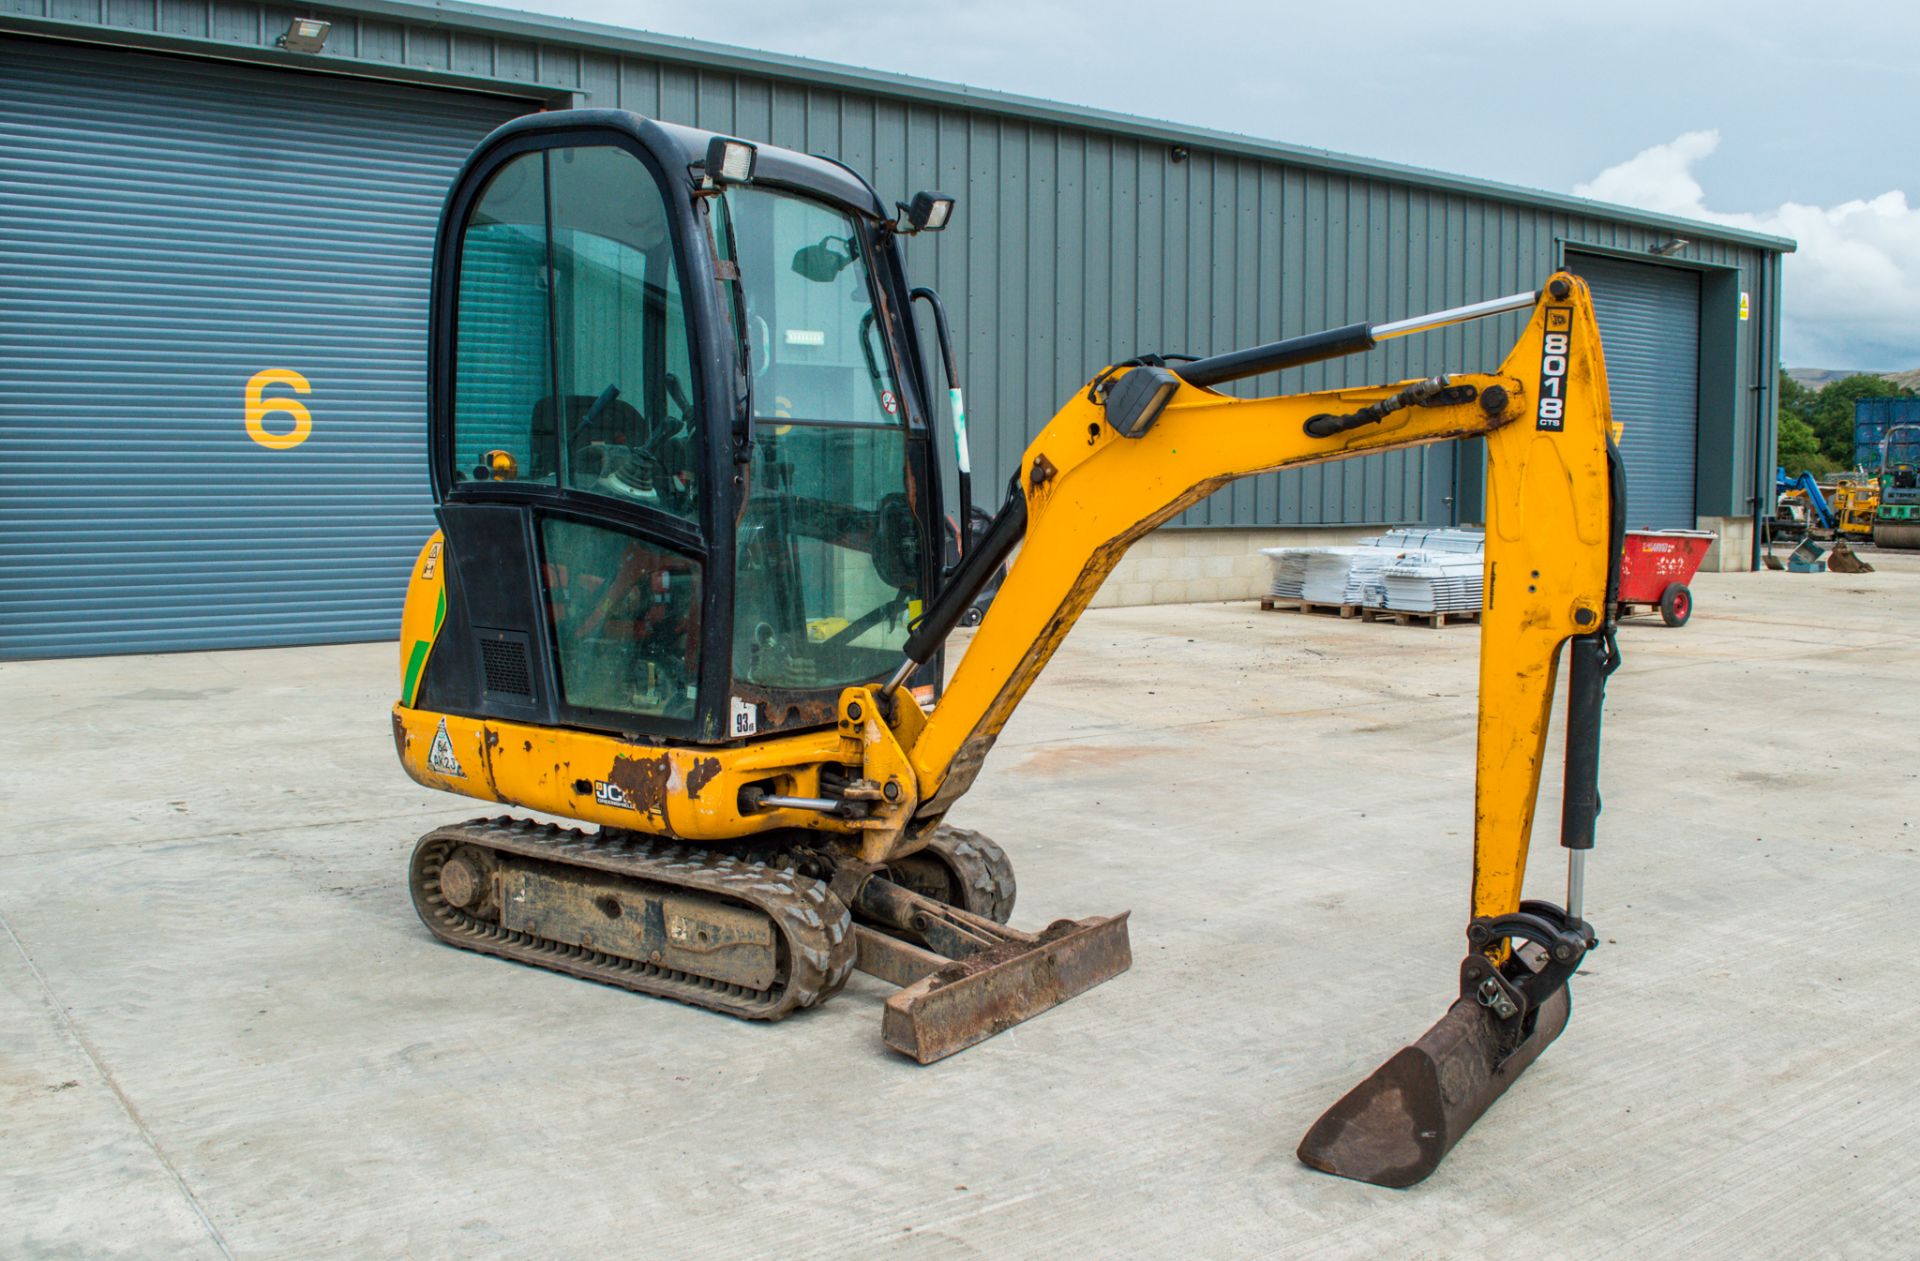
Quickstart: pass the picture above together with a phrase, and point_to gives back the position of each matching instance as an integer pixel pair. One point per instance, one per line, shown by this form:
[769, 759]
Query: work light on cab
[927, 212]
[729, 161]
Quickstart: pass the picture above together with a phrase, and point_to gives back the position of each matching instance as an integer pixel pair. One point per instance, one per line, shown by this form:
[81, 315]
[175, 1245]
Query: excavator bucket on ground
[1394, 1128]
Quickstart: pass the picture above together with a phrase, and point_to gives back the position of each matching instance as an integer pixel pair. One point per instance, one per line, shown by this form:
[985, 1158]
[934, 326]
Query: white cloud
[1852, 291]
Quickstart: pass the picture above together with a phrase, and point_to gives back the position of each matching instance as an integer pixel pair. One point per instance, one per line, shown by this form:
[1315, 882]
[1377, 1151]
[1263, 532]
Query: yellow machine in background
[1853, 507]
[687, 590]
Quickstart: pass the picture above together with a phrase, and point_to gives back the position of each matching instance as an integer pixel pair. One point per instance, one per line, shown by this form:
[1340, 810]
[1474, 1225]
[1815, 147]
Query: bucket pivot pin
[1511, 993]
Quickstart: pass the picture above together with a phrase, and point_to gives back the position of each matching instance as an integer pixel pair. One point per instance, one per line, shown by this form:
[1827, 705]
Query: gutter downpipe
[1766, 387]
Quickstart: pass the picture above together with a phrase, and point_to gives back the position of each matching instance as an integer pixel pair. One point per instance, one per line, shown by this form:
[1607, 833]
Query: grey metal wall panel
[169, 228]
[1079, 239]
[1650, 327]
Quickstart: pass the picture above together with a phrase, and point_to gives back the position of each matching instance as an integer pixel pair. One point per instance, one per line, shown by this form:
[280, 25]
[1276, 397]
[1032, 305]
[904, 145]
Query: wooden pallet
[1407, 617]
[1274, 604]
[1399, 617]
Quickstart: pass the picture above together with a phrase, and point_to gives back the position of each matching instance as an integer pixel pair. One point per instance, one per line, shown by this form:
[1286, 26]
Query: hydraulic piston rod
[1456, 315]
[1332, 343]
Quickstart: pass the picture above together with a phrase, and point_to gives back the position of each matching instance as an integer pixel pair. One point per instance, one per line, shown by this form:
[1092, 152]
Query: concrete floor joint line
[126, 1105]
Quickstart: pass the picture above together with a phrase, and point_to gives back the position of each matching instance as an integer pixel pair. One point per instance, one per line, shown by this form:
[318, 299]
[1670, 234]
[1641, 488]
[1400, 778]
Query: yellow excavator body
[762, 831]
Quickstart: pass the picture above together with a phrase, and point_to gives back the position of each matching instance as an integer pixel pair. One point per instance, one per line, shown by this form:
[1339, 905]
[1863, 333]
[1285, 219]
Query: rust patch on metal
[785, 709]
[644, 781]
[993, 956]
[701, 775]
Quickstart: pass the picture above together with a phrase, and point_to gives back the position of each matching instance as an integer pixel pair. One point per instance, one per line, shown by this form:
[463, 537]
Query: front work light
[1136, 400]
[729, 161]
[927, 212]
[305, 35]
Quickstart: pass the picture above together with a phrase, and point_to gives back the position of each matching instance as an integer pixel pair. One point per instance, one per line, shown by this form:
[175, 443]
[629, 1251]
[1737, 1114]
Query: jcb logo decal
[1554, 350]
[259, 407]
[612, 795]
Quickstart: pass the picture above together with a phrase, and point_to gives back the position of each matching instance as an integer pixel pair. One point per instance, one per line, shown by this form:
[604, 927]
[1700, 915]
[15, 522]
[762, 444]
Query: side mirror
[821, 263]
[927, 212]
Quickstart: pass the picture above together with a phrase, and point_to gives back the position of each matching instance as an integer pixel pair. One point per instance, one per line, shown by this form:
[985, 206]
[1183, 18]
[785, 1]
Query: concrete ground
[222, 1030]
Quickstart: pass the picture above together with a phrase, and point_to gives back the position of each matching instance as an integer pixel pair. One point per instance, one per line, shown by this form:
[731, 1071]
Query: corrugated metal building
[213, 270]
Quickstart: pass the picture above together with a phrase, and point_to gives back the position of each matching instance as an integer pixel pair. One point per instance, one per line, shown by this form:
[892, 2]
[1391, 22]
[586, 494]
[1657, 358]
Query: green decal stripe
[411, 683]
[439, 611]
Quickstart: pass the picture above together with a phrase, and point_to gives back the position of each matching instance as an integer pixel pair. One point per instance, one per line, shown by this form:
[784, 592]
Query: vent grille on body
[506, 667]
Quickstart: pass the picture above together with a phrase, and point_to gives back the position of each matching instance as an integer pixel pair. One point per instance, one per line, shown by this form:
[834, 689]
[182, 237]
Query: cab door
[571, 456]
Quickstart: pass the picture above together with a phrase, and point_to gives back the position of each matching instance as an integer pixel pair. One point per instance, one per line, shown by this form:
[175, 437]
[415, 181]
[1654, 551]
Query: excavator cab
[679, 432]
[686, 592]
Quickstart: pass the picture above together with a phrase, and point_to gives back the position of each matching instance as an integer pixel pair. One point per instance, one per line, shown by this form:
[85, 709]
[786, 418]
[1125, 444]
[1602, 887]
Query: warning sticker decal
[440, 758]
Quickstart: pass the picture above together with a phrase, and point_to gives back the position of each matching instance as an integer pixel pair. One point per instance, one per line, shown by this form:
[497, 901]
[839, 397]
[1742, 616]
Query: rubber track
[817, 931]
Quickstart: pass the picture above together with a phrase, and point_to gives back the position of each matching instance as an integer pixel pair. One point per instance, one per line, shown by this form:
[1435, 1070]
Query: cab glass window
[502, 355]
[572, 360]
[626, 620]
[811, 326]
[828, 569]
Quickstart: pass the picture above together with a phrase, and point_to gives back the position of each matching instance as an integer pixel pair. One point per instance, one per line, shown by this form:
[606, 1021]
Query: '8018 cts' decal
[1554, 350]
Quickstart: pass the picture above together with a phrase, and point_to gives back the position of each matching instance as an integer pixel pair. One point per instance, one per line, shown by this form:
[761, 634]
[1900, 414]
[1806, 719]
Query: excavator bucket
[1394, 1128]
[1844, 560]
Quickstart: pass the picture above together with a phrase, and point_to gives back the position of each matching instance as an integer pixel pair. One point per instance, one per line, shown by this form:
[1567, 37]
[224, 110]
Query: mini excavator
[689, 591]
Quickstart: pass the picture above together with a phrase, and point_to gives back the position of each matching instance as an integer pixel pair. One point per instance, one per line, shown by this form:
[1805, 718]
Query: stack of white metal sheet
[1433, 582]
[1341, 575]
[1447, 540]
[1289, 570]
[1415, 570]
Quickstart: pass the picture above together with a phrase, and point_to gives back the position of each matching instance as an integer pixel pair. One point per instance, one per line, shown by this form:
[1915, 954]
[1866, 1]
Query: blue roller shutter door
[1650, 327]
[172, 231]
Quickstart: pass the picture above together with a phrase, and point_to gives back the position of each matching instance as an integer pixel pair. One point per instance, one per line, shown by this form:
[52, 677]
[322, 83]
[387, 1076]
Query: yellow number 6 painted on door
[258, 409]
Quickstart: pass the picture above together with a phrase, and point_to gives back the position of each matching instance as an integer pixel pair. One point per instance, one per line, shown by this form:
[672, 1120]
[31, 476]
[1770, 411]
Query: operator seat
[619, 424]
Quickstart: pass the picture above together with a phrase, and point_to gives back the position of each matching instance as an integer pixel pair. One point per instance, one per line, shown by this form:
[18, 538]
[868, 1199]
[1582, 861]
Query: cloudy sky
[1789, 118]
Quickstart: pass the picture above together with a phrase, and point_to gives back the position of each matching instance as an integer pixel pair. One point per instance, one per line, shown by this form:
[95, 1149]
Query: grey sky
[1811, 103]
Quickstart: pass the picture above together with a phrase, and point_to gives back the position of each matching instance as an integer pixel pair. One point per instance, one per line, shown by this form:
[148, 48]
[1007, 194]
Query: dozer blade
[1394, 1128]
[971, 999]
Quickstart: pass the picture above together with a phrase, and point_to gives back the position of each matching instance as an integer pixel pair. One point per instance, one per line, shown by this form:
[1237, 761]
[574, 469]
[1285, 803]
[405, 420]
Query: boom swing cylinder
[573, 637]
